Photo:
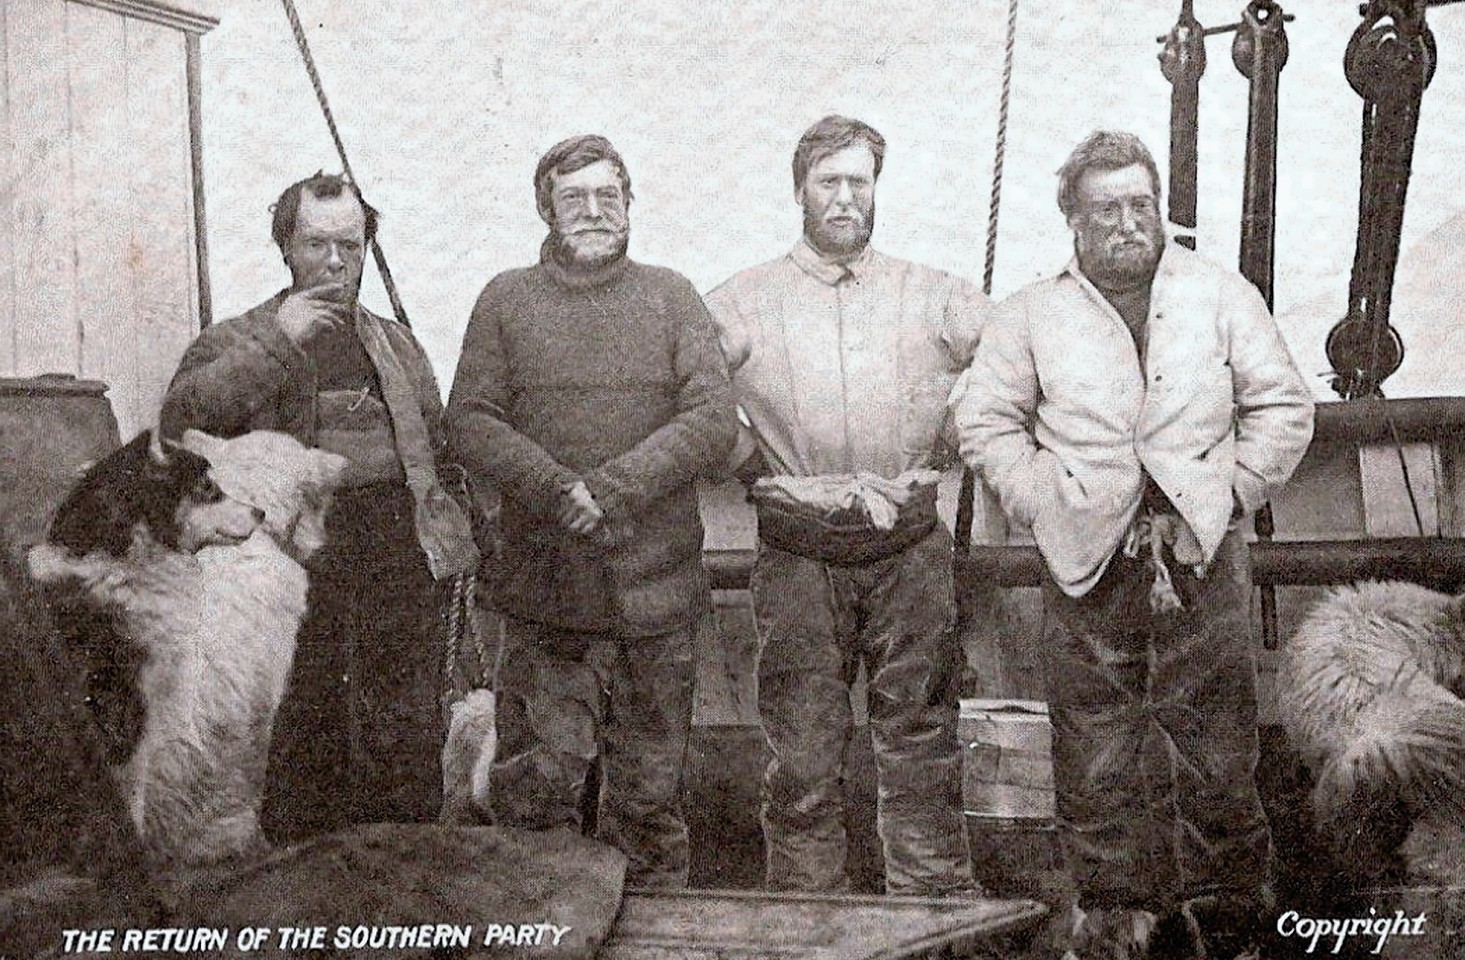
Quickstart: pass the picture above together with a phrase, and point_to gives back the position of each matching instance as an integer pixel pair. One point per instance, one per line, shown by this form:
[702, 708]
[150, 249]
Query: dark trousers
[359, 734]
[1155, 735]
[816, 624]
[567, 697]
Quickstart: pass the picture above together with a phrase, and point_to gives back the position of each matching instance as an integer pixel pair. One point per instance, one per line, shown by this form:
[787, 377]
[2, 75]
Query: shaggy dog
[69, 708]
[135, 503]
[203, 597]
[1369, 691]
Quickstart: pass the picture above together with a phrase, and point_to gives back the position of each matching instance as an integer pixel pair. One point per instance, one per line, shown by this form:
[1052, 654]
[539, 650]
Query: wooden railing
[1434, 561]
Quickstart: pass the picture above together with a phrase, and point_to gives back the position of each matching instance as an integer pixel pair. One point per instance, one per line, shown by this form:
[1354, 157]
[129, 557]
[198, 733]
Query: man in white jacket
[1134, 410]
[842, 358]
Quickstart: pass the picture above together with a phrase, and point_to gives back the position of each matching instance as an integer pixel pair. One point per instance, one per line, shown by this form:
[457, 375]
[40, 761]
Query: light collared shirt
[843, 367]
[1062, 421]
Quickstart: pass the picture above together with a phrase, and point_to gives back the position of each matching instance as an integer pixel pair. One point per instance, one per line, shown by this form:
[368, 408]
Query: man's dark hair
[570, 155]
[831, 135]
[322, 186]
[1102, 150]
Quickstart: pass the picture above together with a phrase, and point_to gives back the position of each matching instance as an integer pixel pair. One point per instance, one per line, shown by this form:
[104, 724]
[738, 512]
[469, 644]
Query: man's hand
[308, 313]
[579, 513]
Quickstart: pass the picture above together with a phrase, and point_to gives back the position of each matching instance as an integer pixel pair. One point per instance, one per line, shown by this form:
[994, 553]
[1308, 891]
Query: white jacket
[1056, 412]
[847, 369]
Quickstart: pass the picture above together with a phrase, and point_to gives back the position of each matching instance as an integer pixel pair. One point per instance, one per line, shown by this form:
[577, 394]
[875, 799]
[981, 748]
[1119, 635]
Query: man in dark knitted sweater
[591, 394]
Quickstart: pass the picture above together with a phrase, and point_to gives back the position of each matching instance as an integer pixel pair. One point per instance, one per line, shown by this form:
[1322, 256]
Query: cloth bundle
[470, 696]
[846, 519]
[1156, 531]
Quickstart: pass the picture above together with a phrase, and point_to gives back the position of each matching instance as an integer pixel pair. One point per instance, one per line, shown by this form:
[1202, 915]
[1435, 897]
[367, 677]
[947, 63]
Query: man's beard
[591, 250]
[1124, 264]
[839, 241]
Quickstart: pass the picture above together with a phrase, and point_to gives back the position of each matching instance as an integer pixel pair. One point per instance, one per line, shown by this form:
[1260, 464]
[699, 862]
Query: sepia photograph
[480, 480]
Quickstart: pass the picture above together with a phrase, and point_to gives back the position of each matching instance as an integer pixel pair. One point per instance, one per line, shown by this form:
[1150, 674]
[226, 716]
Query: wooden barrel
[51, 427]
[1007, 792]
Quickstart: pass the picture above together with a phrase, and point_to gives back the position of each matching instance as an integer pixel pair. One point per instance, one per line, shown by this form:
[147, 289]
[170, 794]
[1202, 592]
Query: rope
[325, 108]
[995, 204]
[1404, 470]
[966, 499]
[453, 619]
[459, 617]
[459, 620]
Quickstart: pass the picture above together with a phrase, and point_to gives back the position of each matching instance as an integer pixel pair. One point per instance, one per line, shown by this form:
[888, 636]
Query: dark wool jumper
[615, 378]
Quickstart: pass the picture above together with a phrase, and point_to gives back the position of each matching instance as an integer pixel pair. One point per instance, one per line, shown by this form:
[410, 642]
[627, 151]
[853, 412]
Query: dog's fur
[138, 498]
[275, 473]
[209, 635]
[1369, 691]
[61, 812]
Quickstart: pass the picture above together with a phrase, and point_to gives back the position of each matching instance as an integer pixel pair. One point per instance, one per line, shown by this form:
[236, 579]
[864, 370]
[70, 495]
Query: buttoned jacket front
[843, 368]
[1062, 420]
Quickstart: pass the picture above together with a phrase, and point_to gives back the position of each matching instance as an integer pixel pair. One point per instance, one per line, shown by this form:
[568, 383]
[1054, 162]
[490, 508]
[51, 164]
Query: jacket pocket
[1042, 493]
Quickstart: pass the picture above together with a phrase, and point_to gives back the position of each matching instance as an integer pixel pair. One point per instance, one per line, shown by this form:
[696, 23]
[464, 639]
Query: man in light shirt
[841, 358]
[1134, 410]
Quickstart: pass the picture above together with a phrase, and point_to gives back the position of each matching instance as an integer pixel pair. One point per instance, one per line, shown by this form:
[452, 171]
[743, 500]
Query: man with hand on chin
[842, 359]
[359, 733]
[591, 395]
[1133, 410]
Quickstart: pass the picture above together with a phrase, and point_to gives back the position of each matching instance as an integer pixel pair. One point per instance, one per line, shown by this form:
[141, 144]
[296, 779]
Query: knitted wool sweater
[614, 378]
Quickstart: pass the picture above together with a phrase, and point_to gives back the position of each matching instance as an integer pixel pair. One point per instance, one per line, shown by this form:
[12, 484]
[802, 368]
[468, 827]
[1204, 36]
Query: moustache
[596, 228]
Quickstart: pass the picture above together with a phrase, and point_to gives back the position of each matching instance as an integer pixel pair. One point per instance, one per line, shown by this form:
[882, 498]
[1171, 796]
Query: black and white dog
[176, 574]
[70, 706]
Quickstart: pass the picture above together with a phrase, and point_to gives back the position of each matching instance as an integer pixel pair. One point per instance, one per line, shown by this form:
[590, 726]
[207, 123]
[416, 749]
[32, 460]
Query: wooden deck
[732, 925]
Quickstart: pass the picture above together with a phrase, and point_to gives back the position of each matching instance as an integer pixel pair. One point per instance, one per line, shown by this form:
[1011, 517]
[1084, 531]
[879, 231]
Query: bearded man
[591, 395]
[1134, 410]
[842, 358]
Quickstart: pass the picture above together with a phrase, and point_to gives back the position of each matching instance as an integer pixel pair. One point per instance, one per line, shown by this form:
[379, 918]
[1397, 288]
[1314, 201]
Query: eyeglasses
[1109, 213]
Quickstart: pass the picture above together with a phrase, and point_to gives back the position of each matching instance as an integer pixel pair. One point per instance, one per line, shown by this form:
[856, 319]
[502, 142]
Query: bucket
[1008, 796]
[51, 428]
[1007, 760]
